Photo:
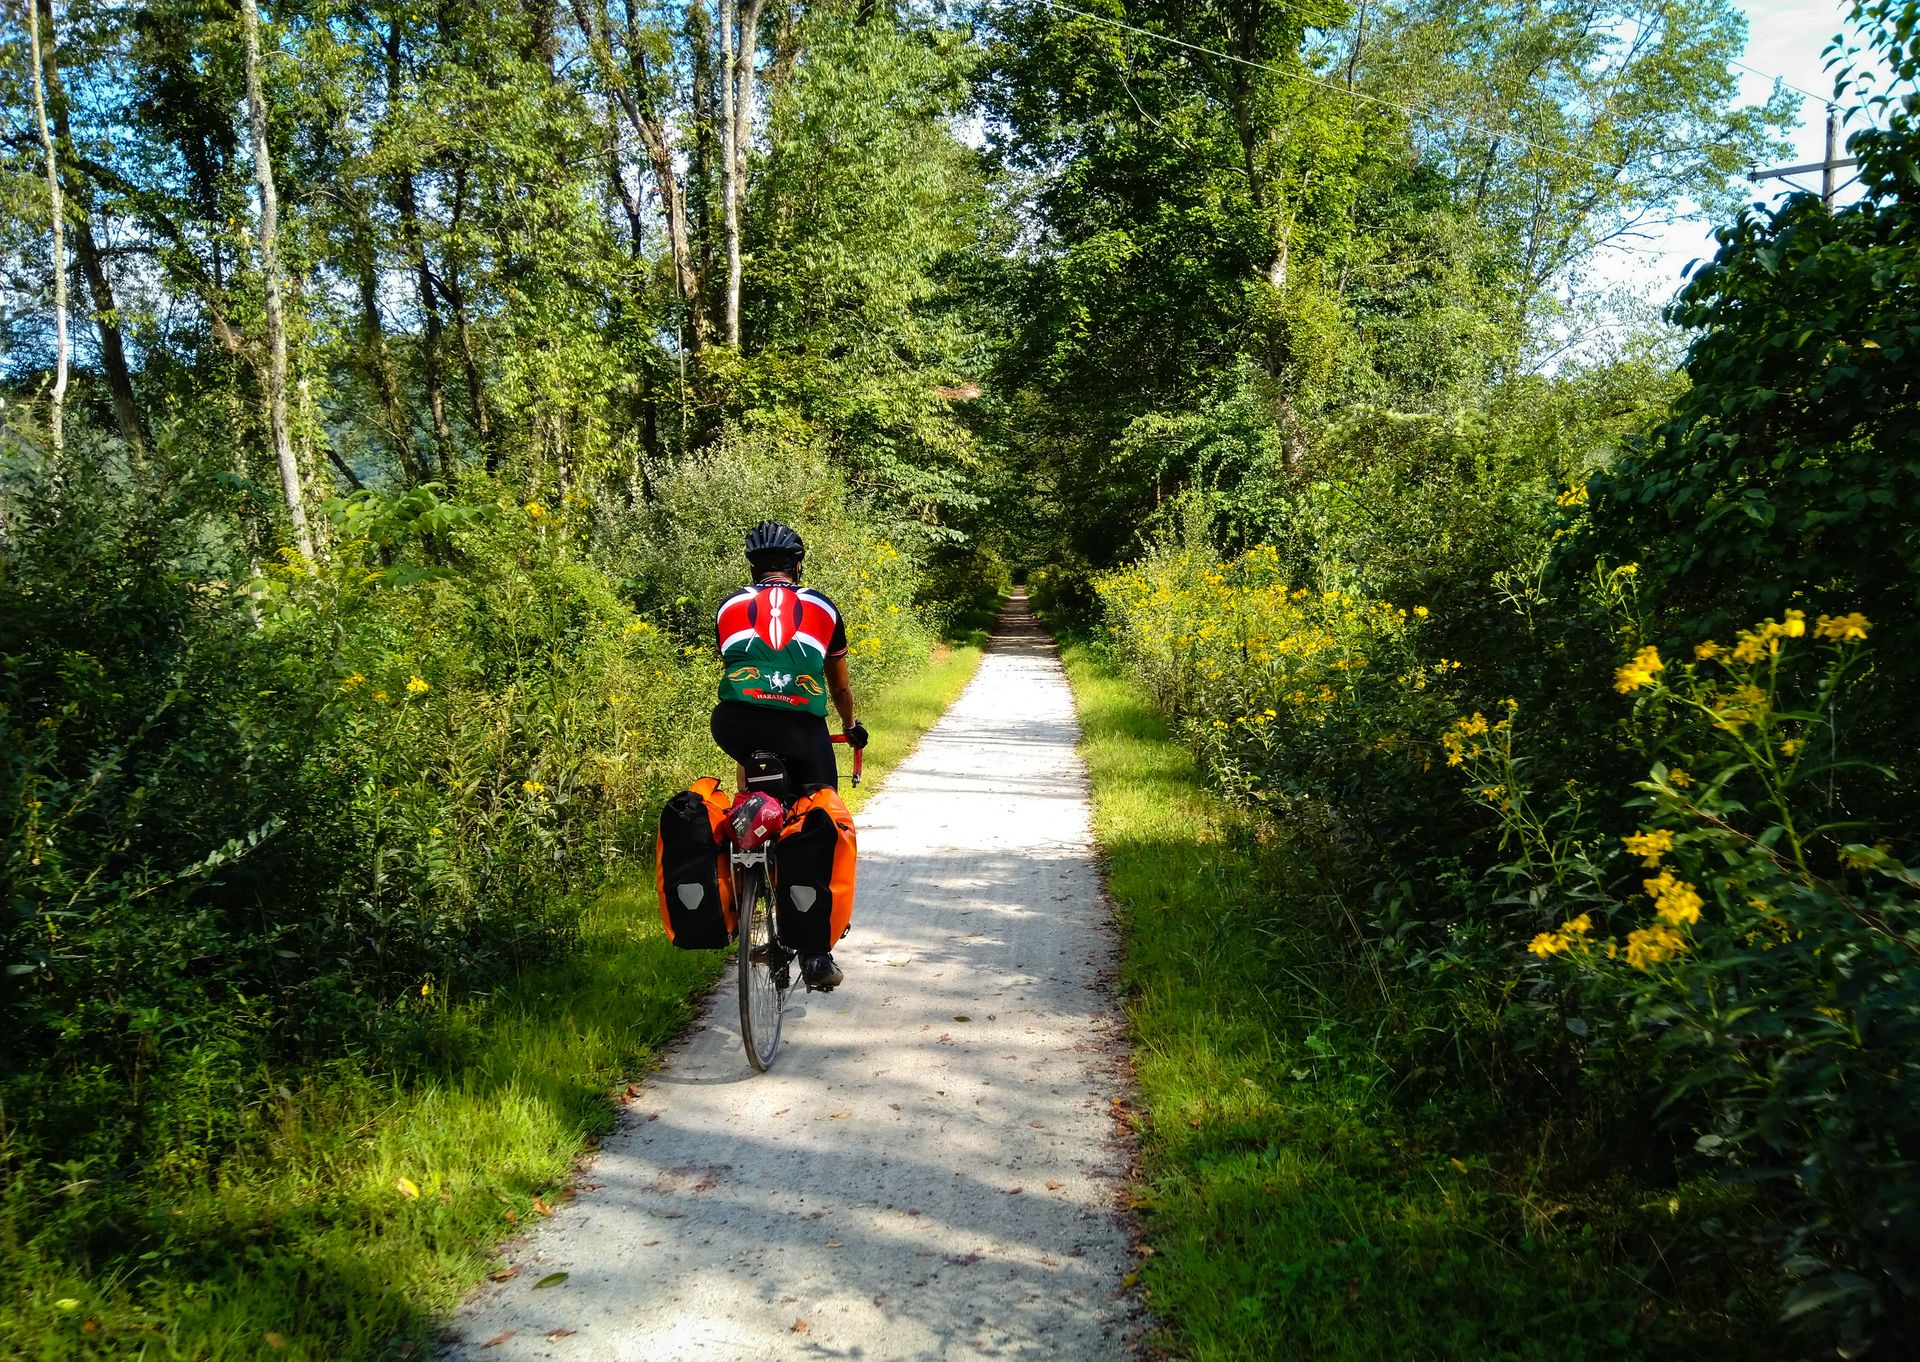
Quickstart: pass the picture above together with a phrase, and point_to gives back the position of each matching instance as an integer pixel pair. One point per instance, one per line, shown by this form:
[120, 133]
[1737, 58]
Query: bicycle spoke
[764, 970]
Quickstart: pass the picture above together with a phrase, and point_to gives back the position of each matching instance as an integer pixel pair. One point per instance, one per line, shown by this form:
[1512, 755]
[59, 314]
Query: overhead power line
[1783, 82]
[1457, 120]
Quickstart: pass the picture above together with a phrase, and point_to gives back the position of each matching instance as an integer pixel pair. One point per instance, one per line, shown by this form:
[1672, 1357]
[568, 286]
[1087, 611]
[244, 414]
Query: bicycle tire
[762, 998]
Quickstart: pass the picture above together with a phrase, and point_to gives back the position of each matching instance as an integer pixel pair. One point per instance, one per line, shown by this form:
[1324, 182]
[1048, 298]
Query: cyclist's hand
[857, 735]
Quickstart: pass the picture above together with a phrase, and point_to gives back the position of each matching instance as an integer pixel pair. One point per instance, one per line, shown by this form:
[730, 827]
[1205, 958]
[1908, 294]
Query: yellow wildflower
[1574, 495]
[355, 680]
[1796, 624]
[1679, 778]
[1842, 628]
[1791, 747]
[1676, 901]
[1420, 611]
[1580, 926]
[1547, 944]
[1650, 946]
[417, 686]
[1706, 652]
[532, 786]
[1638, 672]
[1649, 846]
[534, 510]
[381, 696]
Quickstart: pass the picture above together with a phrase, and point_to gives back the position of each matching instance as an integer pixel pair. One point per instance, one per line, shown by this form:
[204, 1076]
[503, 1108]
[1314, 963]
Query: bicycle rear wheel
[765, 968]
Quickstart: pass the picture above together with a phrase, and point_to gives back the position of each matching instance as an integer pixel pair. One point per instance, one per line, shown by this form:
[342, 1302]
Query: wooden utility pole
[290, 480]
[1834, 161]
[57, 412]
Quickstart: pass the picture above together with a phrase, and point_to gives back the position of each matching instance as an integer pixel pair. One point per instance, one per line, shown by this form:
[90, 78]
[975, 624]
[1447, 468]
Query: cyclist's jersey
[775, 639]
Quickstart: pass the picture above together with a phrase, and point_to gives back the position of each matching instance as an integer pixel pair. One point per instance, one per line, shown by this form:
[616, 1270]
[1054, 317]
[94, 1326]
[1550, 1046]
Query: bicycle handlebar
[859, 758]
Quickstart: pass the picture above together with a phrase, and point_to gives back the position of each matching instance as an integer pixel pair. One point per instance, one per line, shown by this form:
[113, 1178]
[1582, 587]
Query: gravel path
[930, 1170]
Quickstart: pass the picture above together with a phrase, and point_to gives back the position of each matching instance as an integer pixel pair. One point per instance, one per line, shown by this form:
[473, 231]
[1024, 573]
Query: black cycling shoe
[821, 974]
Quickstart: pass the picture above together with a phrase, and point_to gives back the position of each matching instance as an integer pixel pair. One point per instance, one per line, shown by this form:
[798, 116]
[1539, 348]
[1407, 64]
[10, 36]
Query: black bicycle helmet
[771, 545]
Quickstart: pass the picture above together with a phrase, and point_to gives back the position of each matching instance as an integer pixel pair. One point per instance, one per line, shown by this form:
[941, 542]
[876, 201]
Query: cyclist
[783, 651]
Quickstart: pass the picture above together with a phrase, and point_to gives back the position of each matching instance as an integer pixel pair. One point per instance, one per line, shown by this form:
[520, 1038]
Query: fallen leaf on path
[506, 1275]
[559, 1334]
[513, 1217]
[835, 1243]
[894, 1105]
[551, 1279]
[838, 1115]
[407, 1188]
[962, 1017]
[542, 1207]
[497, 1339]
[799, 1326]
[963, 1259]
[946, 1037]
[565, 1194]
[1015, 1191]
[783, 1111]
[1054, 1184]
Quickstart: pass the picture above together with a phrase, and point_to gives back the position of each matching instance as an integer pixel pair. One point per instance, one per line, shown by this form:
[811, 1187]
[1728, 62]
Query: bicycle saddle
[767, 774]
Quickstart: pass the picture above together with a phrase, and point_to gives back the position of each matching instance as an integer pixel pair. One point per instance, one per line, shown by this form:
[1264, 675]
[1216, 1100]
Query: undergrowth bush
[1285, 692]
[677, 556]
[266, 821]
[1750, 940]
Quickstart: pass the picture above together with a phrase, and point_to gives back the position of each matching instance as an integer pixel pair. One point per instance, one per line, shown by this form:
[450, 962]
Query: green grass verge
[1294, 1203]
[366, 1205]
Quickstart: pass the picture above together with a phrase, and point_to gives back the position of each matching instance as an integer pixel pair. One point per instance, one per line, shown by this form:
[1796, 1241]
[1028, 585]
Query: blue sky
[1785, 38]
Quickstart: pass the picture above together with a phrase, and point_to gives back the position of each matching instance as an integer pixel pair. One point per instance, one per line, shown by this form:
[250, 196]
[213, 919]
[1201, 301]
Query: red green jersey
[775, 639]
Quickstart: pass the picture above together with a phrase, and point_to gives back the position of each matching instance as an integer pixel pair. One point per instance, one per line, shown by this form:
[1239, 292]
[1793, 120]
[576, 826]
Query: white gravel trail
[930, 1169]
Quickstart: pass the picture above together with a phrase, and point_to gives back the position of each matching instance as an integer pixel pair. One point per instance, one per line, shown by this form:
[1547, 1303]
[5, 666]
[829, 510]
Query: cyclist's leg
[810, 761]
[802, 741]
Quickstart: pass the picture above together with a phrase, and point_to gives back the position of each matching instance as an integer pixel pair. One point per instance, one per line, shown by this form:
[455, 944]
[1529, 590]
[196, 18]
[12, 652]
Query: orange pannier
[813, 873]
[691, 870]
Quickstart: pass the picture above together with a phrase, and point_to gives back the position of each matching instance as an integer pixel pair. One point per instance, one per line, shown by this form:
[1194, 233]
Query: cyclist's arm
[840, 686]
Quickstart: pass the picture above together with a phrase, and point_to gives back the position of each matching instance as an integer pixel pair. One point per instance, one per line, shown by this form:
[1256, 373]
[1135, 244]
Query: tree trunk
[86, 250]
[379, 362]
[271, 272]
[652, 131]
[451, 290]
[433, 344]
[741, 60]
[57, 409]
[729, 176]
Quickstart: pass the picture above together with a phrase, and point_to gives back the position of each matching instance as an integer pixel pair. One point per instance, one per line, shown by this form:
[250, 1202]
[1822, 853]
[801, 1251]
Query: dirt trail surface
[930, 1169]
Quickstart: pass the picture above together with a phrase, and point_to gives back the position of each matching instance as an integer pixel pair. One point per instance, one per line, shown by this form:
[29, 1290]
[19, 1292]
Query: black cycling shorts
[801, 740]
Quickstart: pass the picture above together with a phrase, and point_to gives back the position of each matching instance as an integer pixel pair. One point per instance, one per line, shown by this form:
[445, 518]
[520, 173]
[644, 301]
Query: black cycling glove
[857, 735]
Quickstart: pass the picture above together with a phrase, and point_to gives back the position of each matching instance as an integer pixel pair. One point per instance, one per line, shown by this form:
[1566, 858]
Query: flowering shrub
[1749, 933]
[1285, 692]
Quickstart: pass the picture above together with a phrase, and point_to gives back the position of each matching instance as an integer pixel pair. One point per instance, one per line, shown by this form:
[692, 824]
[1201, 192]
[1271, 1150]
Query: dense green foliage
[1578, 697]
[1299, 1180]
